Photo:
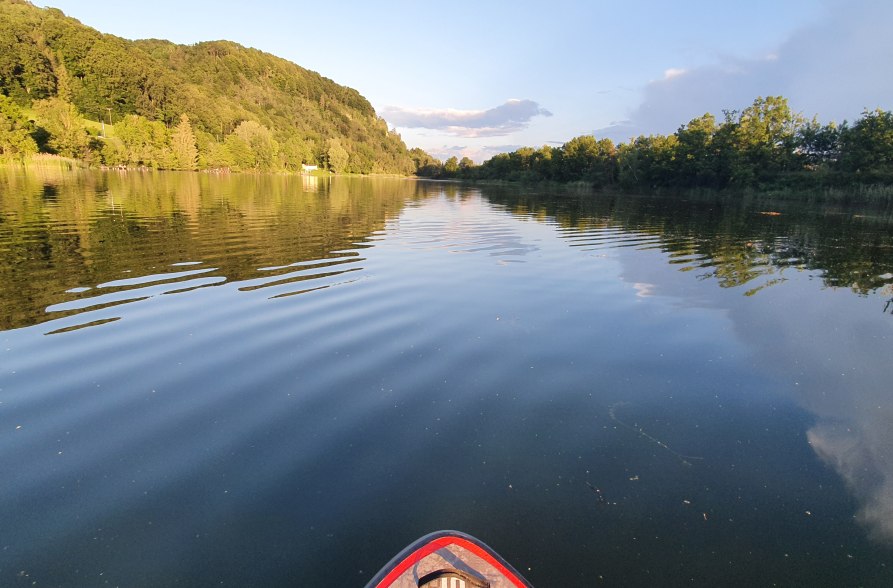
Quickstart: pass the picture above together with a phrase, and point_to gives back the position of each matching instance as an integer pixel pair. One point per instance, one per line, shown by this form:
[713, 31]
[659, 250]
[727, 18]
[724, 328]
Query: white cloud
[834, 68]
[514, 115]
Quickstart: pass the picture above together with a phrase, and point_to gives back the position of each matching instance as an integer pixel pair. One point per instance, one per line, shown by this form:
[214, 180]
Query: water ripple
[275, 378]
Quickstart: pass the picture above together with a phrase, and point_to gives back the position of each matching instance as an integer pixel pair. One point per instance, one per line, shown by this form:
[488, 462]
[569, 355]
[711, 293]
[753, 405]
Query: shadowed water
[283, 381]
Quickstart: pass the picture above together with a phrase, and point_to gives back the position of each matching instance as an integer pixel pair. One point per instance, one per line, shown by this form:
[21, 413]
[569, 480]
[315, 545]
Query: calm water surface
[247, 381]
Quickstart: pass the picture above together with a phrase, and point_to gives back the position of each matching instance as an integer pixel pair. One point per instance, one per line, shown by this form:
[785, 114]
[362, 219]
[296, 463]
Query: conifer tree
[183, 144]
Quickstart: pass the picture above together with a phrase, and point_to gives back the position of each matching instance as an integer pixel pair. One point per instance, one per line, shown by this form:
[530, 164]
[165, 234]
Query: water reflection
[309, 183]
[128, 233]
[862, 457]
[733, 243]
[218, 422]
[829, 351]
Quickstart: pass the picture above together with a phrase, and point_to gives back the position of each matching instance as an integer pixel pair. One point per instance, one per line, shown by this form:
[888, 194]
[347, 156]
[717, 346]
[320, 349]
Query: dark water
[264, 381]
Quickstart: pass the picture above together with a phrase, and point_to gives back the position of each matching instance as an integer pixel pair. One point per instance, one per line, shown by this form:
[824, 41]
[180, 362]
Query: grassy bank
[46, 160]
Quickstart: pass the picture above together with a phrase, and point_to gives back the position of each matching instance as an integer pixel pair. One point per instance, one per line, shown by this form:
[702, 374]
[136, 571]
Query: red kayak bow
[448, 559]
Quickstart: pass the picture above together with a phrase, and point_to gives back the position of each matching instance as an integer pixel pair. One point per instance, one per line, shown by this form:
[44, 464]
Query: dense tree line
[246, 109]
[764, 145]
[70, 90]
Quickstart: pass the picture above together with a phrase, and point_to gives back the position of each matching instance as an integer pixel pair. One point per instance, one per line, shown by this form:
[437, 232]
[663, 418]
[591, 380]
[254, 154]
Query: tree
[293, 152]
[589, 159]
[818, 144]
[238, 153]
[336, 156]
[451, 166]
[648, 162]
[15, 131]
[425, 164]
[63, 79]
[630, 172]
[868, 144]
[261, 143]
[66, 134]
[145, 142]
[185, 152]
[44, 54]
[766, 137]
[136, 137]
[113, 152]
[695, 152]
[466, 167]
[543, 162]
[217, 156]
[497, 167]
[724, 151]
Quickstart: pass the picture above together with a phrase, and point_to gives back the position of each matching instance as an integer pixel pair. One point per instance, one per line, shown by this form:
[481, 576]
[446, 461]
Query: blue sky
[477, 78]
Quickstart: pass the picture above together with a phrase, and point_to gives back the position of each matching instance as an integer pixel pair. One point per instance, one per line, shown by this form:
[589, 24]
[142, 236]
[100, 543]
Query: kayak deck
[448, 559]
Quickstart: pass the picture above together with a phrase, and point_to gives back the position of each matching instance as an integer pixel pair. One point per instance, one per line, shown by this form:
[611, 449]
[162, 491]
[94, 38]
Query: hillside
[218, 85]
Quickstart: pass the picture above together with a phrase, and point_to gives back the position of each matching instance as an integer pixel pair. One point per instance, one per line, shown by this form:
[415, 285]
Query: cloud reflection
[840, 375]
[863, 460]
[827, 351]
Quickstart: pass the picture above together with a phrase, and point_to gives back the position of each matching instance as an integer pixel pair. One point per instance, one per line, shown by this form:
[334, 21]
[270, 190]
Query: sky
[478, 78]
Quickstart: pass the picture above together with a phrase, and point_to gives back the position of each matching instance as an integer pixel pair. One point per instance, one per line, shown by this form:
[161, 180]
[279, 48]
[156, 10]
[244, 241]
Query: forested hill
[233, 97]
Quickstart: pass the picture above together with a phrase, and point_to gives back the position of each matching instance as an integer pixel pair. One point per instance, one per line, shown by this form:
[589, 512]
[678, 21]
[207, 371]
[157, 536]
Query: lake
[282, 381]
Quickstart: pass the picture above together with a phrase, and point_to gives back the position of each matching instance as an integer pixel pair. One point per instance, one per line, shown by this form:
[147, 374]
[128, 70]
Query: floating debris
[685, 459]
[598, 493]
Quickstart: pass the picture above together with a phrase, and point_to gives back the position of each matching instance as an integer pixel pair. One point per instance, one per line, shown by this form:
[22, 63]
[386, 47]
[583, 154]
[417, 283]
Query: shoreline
[856, 193]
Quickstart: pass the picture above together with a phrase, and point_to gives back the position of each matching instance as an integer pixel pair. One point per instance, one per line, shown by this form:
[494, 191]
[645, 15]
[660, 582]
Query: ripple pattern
[236, 381]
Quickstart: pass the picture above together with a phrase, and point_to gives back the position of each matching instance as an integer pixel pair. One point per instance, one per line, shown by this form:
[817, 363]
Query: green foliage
[113, 153]
[648, 161]
[765, 135]
[215, 155]
[15, 132]
[336, 156]
[220, 105]
[293, 152]
[694, 152]
[589, 159]
[257, 149]
[64, 127]
[219, 85]
[451, 166]
[239, 153]
[766, 145]
[819, 145]
[185, 152]
[867, 146]
[425, 165]
[145, 143]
